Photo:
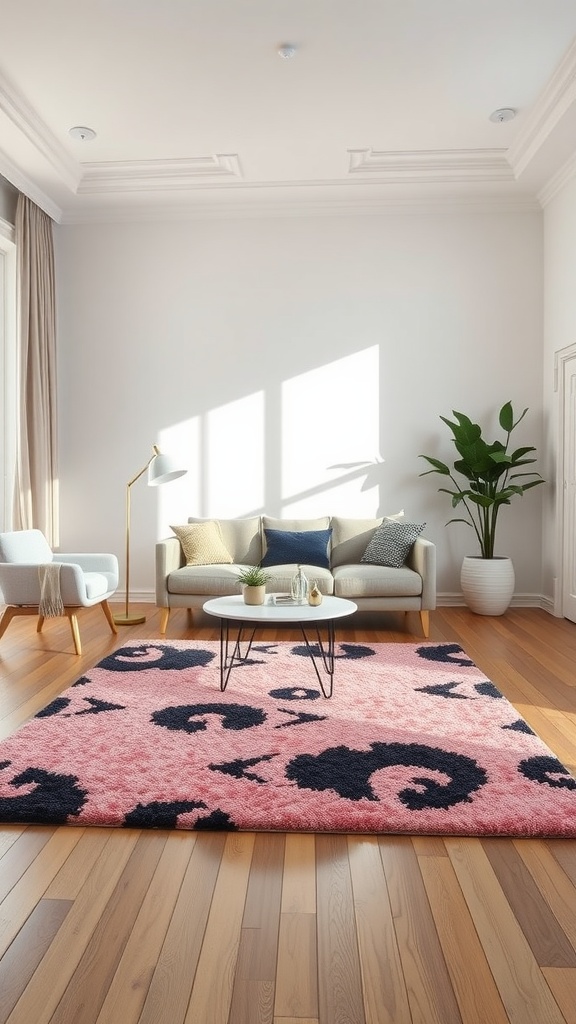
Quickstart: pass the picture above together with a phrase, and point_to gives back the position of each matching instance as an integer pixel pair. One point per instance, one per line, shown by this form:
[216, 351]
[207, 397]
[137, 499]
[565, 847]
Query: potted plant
[254, 580]
[490, 480]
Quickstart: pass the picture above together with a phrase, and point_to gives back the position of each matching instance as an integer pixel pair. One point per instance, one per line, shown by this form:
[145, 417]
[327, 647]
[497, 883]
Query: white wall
[8, 199]
[266, 352]
[559, 333]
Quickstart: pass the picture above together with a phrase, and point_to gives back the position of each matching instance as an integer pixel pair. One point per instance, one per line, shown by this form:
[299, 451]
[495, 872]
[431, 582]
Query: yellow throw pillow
[202, 544]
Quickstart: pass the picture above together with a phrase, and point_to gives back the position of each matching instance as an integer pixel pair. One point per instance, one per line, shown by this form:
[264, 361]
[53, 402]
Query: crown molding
[27, 121]
[241, 206]
[550, 107]
[12, 174]
[557, 182]
[433, 165]
[155, 175]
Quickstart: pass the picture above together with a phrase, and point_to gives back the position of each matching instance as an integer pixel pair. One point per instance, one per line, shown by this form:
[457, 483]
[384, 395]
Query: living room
[454, 301]
[293, 341]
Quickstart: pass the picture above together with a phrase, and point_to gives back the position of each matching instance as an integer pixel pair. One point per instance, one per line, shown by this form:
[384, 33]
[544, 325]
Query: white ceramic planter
[487, 584]
[254, 595]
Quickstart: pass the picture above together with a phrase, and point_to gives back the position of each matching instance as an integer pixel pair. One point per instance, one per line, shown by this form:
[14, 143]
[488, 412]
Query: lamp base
[129, 620]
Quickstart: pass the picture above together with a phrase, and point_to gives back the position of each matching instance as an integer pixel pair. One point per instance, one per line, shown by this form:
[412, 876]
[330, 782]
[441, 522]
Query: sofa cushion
[305, 547]
[352, 581]
[205, 580]
[242, 537]
[392, 543]
[350, 537]
[202, 543]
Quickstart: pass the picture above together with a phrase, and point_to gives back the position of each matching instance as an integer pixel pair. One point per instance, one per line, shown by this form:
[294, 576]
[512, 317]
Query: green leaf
[506, 417]
[438, 467]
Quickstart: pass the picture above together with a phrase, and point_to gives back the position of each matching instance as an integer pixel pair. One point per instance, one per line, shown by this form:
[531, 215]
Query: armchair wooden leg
[71, 614]
[109, 617]
[6, 619]
[425, 622]
[40, 623]
[164, 616]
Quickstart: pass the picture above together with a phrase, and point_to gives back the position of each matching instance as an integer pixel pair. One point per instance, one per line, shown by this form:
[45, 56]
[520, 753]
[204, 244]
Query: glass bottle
[299, 587]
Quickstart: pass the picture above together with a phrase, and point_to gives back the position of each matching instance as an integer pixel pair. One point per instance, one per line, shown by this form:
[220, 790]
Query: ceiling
[384, 102]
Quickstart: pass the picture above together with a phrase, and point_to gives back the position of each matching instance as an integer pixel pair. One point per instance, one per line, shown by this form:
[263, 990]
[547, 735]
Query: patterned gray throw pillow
[392, 543]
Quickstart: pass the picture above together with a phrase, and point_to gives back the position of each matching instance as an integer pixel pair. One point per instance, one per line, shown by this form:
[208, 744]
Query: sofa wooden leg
[164, 616]
[425, 622]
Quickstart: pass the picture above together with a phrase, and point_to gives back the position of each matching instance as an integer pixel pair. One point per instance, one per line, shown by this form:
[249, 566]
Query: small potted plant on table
[254, 580]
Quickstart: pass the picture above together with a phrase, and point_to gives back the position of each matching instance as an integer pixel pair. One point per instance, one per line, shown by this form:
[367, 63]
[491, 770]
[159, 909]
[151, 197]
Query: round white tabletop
[234, 608]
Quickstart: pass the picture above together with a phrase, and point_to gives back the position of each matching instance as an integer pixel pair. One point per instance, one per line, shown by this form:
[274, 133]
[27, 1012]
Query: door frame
[561, 357]
[8, 372]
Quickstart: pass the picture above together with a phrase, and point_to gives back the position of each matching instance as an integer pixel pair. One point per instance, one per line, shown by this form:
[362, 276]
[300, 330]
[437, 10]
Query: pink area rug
[414, 740]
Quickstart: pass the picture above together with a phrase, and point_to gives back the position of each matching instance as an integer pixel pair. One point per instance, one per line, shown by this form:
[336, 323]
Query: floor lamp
[161, 469]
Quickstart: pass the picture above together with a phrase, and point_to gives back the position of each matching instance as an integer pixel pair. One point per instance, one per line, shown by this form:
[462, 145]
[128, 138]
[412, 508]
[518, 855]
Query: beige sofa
[411, 587]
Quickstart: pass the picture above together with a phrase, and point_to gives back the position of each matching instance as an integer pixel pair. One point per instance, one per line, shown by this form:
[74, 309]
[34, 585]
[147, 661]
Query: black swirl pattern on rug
[548, 771]
[239, 767]
[348, 772]
[194, 717]
[350, 652]
[159, 814]
[53, 800]
[144, 656]
[447, 654]
[443, 690]
[295, 693]
[519, 726]
[95, 707]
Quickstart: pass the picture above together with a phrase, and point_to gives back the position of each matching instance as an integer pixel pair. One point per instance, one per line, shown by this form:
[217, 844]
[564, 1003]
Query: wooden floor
[136, 927]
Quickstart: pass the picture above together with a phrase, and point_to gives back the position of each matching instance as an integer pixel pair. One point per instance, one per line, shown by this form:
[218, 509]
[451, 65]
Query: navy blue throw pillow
[308, 547]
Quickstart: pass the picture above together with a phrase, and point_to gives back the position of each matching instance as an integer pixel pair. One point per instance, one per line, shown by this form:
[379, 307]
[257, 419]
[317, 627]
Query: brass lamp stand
[161, 469]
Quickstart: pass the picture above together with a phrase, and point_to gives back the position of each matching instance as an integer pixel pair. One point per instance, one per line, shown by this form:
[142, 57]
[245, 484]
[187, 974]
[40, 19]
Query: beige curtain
[36, 496]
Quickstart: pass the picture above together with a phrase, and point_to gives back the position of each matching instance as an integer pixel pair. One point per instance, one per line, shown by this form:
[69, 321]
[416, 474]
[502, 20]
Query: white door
[569, 490]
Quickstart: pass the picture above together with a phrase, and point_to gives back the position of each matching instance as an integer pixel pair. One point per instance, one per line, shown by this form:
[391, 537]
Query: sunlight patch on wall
[179, 499]
[234, 457]
[330, 438]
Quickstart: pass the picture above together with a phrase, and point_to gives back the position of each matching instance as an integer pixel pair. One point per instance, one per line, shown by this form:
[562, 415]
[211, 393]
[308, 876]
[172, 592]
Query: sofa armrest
[169, 556]
[422, 559]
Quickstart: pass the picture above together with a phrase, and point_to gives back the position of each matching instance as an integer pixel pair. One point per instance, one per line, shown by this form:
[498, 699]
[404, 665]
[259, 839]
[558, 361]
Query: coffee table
[237, 617]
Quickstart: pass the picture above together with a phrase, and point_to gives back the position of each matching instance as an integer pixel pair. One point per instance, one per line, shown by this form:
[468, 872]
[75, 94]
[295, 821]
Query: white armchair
[84, 580]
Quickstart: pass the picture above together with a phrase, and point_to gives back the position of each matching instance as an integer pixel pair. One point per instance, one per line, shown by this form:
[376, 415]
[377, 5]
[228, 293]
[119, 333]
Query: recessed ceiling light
[286, 51]
[503, 114]
[82, 134]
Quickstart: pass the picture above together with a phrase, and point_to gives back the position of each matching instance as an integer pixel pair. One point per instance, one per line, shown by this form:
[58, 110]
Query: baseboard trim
[444, 600]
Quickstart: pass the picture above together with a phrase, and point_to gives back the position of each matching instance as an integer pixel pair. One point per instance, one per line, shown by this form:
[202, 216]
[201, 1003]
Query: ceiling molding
[433, 165]
[557, 182]
[153, 175]
[550, 107]
[242, 206]
[27, 121]
[29, 188]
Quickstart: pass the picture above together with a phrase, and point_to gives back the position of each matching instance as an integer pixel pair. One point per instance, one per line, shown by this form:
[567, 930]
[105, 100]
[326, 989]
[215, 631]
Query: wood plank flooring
[105, 926]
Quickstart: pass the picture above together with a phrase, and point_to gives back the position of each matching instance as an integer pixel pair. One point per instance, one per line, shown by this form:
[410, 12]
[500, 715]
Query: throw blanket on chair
[50, 596]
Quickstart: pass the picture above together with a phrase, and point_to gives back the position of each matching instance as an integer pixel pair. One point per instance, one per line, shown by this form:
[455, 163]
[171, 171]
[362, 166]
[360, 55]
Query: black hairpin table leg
[230, 649]
[326, 655]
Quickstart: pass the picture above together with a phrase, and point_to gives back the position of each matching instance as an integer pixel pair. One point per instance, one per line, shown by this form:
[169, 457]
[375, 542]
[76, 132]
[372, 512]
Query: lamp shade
[162, 469]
